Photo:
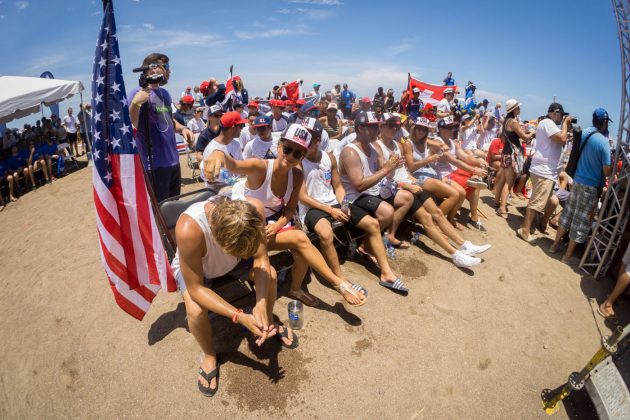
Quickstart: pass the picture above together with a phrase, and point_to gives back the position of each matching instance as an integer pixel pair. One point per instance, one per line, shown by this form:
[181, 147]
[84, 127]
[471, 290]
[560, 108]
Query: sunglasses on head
[296, 153]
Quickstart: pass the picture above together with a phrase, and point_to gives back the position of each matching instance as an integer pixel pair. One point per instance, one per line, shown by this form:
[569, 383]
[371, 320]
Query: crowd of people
[36, 154]
[303, 163]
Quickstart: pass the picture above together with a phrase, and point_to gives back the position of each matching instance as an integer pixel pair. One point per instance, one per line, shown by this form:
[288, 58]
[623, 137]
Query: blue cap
[600, 114]
[262, 121]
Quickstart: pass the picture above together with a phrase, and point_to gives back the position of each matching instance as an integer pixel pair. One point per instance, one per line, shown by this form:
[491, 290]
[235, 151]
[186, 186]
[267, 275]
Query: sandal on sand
[285, 334]
[206, 390]
[305, 298]
[395, 285]
[502, 214]
[401, 245]
[599, 311]
[354, 290]
[364, 254]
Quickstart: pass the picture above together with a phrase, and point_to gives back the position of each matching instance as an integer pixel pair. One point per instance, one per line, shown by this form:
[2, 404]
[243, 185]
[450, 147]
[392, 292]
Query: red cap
[300, 102]
[366, 100]
[289, 102]
[203, 87]
[252, 104]
[188, 100]
[276, 102]
[188, 88]
[230, 119]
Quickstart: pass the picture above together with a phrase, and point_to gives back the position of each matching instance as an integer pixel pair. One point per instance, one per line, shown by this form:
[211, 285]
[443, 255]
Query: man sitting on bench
[319, 205]
[213, 238]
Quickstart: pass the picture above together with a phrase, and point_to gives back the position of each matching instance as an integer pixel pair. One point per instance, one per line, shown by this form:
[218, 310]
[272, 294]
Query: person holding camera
[593, 167]
[150, 109]
[546, 164]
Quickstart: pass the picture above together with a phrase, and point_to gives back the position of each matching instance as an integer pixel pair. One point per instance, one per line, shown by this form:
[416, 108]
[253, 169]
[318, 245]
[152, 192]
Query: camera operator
[594, 165]
[151, 108]
[546, 163]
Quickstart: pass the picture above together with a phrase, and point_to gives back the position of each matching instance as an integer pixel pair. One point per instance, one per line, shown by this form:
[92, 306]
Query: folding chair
[65, 152]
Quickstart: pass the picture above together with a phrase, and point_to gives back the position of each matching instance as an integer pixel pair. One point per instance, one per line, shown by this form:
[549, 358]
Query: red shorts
[461, 177]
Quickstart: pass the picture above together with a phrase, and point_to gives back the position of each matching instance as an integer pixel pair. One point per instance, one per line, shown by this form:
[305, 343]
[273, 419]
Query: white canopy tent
[22, 96]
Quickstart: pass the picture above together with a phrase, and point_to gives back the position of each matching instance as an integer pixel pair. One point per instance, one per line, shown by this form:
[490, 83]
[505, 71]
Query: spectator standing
[388, 101]
[545, 166]
[212, 130]
[196, 124]
[85, 120]
[593, 167]
[448, 80]
[150, 108]
[198, 96]
[71, 126]
[415, 105]
[444, 106]
[187, 92]
[347, 99]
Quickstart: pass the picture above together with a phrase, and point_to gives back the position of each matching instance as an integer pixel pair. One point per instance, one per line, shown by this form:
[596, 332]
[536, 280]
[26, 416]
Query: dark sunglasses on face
[296, 153]
[371, 126]
[217, 115]
[154, 66]
[262, 129]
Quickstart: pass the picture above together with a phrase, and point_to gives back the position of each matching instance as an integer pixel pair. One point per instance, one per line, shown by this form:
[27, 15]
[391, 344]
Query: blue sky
[529, 50]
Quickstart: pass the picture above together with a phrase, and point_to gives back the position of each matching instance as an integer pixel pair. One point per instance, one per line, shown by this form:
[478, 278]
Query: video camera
[148, 79]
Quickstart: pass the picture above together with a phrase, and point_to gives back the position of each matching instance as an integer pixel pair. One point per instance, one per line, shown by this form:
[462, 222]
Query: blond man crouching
[213, 238]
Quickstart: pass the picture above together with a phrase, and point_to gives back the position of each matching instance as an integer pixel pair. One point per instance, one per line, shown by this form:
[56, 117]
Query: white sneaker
[462, 260]
[471, 249]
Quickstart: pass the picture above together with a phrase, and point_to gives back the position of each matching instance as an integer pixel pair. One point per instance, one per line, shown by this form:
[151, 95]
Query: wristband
[235, 315]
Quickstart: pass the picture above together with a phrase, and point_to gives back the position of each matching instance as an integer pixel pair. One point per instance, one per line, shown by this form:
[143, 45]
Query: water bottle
[226, 177]
[389, 248]
[296, 318]
[345, 205]
[415, 237]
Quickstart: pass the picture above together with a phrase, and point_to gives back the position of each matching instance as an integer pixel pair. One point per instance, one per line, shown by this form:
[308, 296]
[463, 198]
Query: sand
[460, 345]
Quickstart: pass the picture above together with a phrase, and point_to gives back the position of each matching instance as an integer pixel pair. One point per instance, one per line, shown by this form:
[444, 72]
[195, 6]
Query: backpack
[576, 152]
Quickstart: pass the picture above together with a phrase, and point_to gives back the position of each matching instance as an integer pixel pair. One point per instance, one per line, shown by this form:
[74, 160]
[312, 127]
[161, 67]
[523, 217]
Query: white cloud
[298, 30]
[45, 63]
[2, 17]
[399, 49]
[136, 1]
[318, 2]
[151, 39]
[314, 14]
[148, 26]
[22, 4]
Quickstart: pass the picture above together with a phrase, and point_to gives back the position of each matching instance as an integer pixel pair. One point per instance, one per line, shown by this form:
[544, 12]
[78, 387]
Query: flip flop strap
[210, 375]
[398, 285]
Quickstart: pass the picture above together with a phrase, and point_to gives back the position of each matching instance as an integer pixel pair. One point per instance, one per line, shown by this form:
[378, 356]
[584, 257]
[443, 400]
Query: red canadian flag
[429, 94]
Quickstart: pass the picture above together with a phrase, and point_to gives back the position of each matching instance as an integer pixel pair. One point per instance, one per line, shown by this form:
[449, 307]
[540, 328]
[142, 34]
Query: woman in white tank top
[421, 154]
[277, 184]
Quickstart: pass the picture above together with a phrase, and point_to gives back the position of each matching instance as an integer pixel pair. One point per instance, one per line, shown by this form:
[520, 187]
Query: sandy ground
[458, 346]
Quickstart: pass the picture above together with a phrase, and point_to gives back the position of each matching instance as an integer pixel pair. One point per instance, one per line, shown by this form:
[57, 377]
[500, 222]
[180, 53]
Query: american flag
[131, 249]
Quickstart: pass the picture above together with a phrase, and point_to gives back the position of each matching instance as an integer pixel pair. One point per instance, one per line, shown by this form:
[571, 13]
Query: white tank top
[272, 203]
[216, 262]
[400, 174]
[418, 156]
[369, 166]
[444, 168]
[318, 180]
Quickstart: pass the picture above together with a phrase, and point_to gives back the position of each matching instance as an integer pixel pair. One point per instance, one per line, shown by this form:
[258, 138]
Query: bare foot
[288, 340]
[304, 297]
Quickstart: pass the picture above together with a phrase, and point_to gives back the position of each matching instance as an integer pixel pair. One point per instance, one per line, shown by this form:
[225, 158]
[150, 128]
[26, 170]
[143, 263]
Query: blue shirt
[347, 96]
[449, 81]
[414, 107]
[161, 129]
[595, 155]
[49, 149]
[16, 162]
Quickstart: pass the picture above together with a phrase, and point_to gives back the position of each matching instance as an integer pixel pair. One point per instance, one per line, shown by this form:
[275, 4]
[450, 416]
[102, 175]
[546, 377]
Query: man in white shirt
[444, 106]
[264, 145]
[279, 122]
[71, 126]
[546, 165]
[249, 132]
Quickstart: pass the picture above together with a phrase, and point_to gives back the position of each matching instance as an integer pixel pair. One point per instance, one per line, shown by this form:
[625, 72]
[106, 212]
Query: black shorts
[418, 201]
[167, 182]
[72, 137]
[369, 203]
[315, 215]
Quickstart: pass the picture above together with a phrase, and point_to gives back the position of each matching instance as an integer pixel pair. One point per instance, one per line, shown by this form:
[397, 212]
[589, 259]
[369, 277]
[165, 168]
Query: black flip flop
[207, 391]
[285, 334]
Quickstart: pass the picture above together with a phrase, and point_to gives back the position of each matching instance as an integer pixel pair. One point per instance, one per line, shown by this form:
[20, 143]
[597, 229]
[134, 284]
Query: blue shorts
[241, 270]
[423, 176]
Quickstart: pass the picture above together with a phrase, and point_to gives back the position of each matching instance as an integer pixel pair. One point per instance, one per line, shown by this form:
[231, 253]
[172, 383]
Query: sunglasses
[370, 126]
[217, 115]
[154, 66]
[296, 153]
[262, 129]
